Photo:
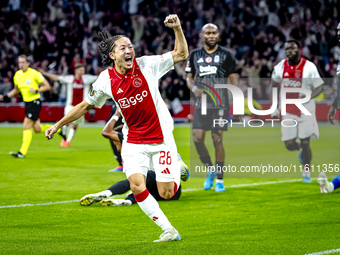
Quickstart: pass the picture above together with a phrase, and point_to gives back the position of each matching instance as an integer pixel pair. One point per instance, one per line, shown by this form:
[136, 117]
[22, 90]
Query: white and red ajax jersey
[77, 89]
[146, 117]
[303, 75]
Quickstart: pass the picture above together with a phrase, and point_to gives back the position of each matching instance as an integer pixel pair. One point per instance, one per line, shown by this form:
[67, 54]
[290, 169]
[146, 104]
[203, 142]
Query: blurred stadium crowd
[60, 33]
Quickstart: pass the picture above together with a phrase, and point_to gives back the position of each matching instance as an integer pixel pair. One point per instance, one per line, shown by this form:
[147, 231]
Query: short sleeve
[89, 79]
[190, 67]
[65, 79]
[97, 95]
[230, 64]
[39, 77]
[15, 79]
[276, 75]
[157, 65]
[315, 79]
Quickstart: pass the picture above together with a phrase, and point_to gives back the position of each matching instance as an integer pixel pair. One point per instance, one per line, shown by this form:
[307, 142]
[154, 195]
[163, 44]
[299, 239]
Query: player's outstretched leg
[151, 208]
[115, 202]
[325, 185]
[94, 198]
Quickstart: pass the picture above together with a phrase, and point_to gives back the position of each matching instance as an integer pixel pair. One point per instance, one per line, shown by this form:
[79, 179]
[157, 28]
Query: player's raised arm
[180, 51]
[53, 77]
[78, 111]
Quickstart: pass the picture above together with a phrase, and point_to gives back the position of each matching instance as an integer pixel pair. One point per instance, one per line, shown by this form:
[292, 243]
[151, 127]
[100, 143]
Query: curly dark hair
[107, 45]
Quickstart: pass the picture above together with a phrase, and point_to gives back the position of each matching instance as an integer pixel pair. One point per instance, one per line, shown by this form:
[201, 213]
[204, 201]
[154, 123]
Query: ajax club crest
[137, 82]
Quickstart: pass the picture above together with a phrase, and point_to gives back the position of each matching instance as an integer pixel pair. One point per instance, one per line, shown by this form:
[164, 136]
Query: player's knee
[37, 130]
[167, 194]
[291, 146]
[137, 188]
[217, 140]
[198, 139]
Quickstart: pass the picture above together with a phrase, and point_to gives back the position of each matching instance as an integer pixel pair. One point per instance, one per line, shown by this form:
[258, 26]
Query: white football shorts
[307, 126]
[160, 157]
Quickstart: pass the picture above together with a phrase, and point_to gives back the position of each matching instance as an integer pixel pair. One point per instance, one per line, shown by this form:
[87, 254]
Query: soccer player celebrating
[133, 84]
[78, 86]
[206, 65]
[30, 83]
[298, 72]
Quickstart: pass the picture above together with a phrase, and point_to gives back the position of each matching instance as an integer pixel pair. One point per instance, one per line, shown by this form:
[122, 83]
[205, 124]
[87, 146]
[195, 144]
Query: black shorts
[32, 109]
[206, 122]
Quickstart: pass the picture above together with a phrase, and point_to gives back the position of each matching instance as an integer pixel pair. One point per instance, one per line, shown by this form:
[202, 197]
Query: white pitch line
[48, 203]
[185, 190]
[324, 252]
[249, 184]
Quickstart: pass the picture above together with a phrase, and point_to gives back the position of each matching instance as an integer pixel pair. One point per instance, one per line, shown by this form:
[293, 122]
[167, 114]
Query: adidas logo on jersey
[166, 171]
[286, 74]
[120, 91]
[200, 60]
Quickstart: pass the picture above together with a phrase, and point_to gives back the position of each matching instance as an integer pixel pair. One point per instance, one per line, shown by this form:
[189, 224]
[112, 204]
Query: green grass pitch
[253, 216]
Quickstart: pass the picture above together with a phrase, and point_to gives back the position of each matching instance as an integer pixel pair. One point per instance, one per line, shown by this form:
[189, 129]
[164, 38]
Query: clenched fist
[49, 133]
[172, 21]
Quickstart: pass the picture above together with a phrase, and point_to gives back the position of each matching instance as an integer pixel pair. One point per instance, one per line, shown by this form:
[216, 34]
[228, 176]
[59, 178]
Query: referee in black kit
[207, 66]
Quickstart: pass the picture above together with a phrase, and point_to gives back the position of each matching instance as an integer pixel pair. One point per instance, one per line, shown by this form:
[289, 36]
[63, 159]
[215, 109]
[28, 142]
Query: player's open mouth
[128, 61]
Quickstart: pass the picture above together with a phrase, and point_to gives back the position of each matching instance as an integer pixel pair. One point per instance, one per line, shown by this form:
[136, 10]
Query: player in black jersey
[207, 66]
